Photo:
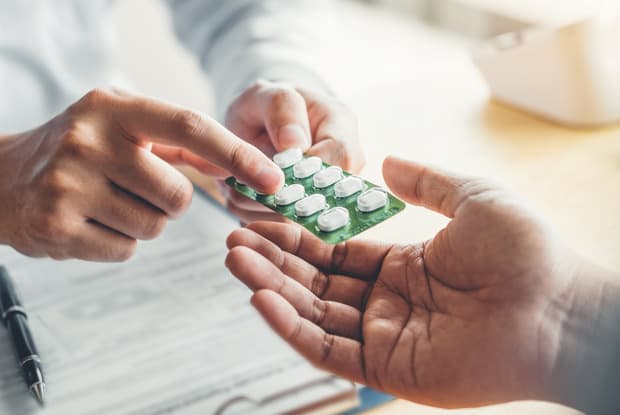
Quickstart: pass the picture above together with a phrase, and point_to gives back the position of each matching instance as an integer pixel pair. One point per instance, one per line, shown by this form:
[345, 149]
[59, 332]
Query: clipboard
[169, 332]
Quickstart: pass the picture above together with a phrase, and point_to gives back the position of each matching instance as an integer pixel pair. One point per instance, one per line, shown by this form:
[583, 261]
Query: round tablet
[289, 194]
[288, 157]
[348, 186]
[310, 205]
[327, 177]
[333, 219]
[372, 200]
[307, 167]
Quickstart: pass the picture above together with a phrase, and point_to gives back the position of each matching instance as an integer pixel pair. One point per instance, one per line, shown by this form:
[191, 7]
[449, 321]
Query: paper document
[169, 332]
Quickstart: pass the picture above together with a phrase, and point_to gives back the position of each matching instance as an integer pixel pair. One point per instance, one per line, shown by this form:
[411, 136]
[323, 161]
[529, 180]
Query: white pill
[332, 219]
[307, 167]
[288, 157]
[372, 200]
[347, 187]
[327, 177]
[289, 194]
[310, 205]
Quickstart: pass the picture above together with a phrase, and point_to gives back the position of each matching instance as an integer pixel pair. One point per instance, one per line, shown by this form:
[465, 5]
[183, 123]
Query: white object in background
[569, 74]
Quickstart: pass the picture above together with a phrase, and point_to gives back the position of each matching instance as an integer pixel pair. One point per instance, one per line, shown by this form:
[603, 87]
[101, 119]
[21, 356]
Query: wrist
[585, 370]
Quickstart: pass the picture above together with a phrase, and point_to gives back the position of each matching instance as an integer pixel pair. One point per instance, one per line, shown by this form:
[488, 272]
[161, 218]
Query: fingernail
[293, 135]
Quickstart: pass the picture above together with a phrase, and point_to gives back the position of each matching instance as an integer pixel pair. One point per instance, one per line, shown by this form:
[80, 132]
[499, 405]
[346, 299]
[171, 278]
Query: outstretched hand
[463, 319]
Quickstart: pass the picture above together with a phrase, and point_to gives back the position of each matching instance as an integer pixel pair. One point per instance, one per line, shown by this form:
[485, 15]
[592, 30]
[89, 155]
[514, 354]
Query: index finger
[152, 120]
[359, 259]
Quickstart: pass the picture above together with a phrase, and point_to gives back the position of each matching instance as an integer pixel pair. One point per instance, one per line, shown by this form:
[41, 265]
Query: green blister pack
[329, 202]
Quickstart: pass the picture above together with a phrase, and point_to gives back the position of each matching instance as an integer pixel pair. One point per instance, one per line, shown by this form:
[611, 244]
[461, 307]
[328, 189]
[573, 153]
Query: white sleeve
[241, 41]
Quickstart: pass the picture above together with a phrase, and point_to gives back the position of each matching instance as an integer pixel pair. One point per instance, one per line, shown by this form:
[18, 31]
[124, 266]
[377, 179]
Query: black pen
[16, 321]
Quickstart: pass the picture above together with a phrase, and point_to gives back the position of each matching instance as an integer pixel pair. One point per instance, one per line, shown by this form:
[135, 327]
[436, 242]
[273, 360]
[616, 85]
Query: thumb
[426, 186]
[285, 116]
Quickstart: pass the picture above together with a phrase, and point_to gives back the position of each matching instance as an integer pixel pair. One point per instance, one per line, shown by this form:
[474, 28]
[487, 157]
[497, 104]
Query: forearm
[587, 369]
[240, 41]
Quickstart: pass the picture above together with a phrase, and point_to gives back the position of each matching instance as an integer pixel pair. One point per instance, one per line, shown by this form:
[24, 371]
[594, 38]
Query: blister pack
[331, 203]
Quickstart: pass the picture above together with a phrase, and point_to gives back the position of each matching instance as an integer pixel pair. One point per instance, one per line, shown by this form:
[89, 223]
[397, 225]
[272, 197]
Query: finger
[182, 157]
[246, 216]
[95, 242]
[358, 259]
[151, 120]
[285, 116]
[126, 214]
[142, 173]
[331, 151]
[334, 131]
[277, 108]
[242, 202]
[339, 355]
[258, 273]
[332, 287]
[432, 188]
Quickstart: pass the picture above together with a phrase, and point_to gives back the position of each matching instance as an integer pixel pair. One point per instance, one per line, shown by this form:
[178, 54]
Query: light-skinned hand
[97, 177]
[275, 116]
[476, 315]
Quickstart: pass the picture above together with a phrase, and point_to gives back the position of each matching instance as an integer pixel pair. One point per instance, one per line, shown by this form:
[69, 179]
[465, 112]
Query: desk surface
[419, 96]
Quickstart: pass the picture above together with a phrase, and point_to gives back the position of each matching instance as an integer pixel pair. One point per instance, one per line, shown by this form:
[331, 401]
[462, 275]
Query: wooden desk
[417, 95]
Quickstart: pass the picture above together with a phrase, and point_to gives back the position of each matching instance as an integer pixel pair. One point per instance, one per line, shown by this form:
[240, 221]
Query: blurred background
[405, 68]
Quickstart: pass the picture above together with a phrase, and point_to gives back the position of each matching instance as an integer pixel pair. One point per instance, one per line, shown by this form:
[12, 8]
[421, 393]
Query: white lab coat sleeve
[241, 41]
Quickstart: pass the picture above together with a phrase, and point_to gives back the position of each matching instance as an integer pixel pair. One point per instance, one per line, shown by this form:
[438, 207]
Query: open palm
[460, 320]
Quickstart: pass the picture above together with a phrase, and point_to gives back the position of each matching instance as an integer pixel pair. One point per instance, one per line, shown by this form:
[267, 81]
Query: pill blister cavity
[289, 194]
[310, 205]
[349, 186]
[307, 167]
[333, 219]
[327, 177]
[288, 157]
[372, 200]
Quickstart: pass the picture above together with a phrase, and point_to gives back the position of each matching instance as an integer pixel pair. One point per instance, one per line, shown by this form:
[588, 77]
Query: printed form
[169, 332]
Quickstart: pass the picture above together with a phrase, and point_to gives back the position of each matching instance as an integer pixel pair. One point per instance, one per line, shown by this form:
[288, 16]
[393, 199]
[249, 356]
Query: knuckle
[319, 311]
[155, 227]
[58, 255]
[319, 284]
[180, 197]
[326, 347]
[50, 226]
[239, 157]
[56, 186]
[115, 252]
[74, 143]
[126, 252]
[283, 95]
[91, 100]
[188, 123]
[257, 86]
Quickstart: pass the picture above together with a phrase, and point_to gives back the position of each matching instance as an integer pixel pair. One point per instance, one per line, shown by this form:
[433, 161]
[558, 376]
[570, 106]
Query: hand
[471, 317]
[96, 178]
[275, 116]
